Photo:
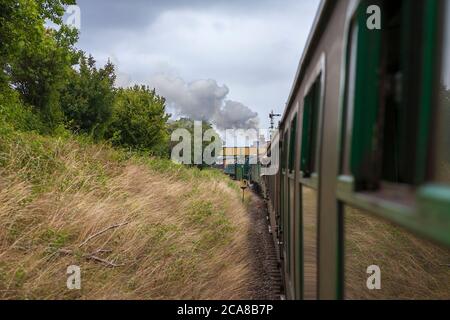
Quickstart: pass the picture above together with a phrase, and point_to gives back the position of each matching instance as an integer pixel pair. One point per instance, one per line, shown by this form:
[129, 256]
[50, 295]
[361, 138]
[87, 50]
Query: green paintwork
[429, 80]
[366, 99]
[434, 211]
[293, 144]
[311, 110]
[306, 141]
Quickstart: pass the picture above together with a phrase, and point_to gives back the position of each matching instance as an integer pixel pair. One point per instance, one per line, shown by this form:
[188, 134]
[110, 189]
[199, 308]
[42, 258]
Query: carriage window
[443, 165]
[292, 144]
[311, 110]
[388, 97]
[397, 119]
[284, 146]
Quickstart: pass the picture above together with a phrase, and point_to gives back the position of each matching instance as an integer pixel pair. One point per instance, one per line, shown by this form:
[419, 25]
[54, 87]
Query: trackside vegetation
[85, 180]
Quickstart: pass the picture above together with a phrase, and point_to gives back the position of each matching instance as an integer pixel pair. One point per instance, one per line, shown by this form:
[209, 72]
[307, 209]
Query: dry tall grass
[183, 234]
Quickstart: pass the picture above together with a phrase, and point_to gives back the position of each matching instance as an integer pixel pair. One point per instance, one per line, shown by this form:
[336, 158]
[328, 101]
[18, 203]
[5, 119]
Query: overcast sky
[227, 61]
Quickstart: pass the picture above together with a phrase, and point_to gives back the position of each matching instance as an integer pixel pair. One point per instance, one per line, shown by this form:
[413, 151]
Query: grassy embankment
[139, 228]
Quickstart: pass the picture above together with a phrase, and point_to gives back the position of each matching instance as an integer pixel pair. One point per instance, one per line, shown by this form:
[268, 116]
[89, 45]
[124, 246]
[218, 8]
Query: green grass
[217, 227]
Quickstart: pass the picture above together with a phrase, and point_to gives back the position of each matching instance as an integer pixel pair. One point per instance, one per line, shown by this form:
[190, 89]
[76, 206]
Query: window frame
[317, 76]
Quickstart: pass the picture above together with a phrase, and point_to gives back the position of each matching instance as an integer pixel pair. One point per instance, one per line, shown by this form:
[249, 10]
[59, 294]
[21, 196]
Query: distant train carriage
[239, 161]
[254, 175]
[230, 170]
[238, 171]
[363, 187]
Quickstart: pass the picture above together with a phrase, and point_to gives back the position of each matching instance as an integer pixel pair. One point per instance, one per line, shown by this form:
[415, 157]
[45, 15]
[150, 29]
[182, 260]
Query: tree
[22, 24]
[139, 121]
[87, 101]
[41, 74]
[35, 60]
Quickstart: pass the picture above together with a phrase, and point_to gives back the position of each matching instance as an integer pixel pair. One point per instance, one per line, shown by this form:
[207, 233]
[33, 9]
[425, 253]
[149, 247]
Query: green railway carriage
[230, 169]
[238, 171]
[363, 188]
[254, 173]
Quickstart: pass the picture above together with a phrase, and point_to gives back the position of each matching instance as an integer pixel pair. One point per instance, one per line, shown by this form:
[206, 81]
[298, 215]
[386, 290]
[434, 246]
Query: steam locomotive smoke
[205, 100]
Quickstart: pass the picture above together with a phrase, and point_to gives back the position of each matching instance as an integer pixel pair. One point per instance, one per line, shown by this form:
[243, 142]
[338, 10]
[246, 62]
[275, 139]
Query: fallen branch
[65, 251]
[102, 232]
[106, 262]
[93, 257]
[101, 251]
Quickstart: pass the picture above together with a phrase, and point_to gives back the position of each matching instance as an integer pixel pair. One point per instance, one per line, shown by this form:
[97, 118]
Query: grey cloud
[236, 115]
[123, 14]
[204, 100]
[253, 46]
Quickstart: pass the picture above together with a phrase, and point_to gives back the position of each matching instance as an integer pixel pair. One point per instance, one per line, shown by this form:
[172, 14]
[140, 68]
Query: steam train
[360, 205]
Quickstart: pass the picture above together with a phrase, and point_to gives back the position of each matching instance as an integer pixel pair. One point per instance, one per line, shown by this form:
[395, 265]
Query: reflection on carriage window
[309, 211]
[411, 268]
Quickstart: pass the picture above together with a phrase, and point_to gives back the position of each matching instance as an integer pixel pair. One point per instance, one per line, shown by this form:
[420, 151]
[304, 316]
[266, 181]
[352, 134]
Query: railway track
[267, 282]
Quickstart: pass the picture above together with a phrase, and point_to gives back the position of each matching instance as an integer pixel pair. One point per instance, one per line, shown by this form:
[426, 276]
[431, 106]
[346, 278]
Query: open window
[293, 144]
[387, 99]
[311, 111]
[284, 146]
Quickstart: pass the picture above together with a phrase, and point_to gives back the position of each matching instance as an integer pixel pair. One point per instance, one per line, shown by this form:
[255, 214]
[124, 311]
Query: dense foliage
[89, 97]
[48, 86]
[22, 29]
[139, 120]
[36, 60]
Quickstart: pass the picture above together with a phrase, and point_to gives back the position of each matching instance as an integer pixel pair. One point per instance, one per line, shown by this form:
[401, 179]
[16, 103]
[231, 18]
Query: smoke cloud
[204, 100]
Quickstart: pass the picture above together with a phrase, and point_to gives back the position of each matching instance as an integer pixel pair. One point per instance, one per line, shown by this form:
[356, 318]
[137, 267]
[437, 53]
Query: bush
[16, 115]
[88, 99]
[139, 121]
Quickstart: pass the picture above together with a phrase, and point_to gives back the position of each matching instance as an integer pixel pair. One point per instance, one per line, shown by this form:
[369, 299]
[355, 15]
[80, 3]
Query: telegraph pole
[272, 117]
